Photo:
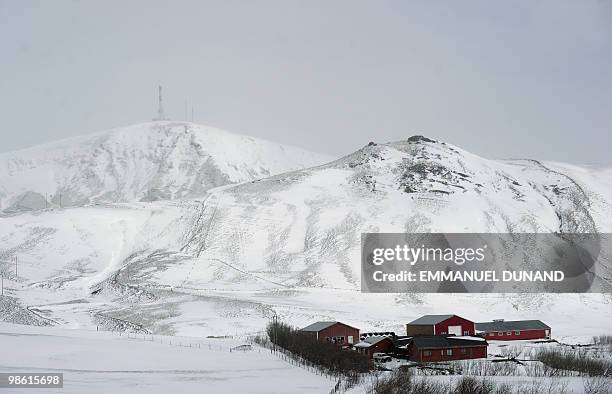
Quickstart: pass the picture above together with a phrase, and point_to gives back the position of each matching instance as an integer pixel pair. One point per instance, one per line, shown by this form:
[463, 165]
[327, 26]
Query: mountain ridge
[150, 161]
[289, 244]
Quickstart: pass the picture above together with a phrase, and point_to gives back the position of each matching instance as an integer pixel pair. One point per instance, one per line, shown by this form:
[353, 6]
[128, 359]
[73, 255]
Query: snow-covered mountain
[145, 162]
[289, 244]
[303, 228]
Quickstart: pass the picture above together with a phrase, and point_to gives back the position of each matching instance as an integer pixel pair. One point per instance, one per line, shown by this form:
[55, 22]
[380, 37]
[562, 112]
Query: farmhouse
[431, 348]
[375, 344]
[440, 325]
[502, 330]
[332, 331]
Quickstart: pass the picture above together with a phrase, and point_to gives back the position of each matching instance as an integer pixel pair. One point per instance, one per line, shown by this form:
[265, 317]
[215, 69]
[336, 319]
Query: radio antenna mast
[160, 109]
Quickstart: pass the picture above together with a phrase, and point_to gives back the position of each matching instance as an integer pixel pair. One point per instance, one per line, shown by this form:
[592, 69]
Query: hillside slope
[290, 244]
[145, 162]
[303, 228]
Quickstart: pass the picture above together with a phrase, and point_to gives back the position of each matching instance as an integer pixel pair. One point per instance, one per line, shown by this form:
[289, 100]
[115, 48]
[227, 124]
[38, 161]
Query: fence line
[343, 383]
[283, 354]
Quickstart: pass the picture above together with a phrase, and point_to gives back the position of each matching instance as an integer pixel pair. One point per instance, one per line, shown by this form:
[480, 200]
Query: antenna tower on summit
[160, 109]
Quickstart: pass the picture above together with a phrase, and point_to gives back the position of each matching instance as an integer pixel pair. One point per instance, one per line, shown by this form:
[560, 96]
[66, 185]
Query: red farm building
[332, 331]
[440, 325]
[375, 344]
[502, 330]
[433, 348]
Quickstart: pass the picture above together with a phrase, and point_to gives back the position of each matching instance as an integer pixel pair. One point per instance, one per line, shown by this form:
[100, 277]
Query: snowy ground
[103, 362]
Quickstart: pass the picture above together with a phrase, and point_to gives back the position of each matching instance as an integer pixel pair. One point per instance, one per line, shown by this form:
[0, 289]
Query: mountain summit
[303, 228]
[145, 162]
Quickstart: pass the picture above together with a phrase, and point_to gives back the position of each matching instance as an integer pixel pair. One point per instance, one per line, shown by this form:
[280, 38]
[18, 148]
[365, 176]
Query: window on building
[517, 333]
[509, 333]
[500, 334]
[463, 350]
[427, 353]
[338, 339]
[449, 352]
[466, 333]
[443, 333]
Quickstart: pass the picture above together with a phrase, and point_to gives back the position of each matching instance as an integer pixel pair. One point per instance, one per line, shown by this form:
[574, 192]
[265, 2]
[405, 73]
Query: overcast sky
[501, 79]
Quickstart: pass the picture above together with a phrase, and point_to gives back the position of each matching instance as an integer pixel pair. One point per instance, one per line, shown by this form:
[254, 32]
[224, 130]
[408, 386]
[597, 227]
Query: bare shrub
[471, 385]
[602, 340]
[535, 387]
[406, 382]
[567, 361]
[554, 386]
[597, 385]
[486, 368]
[512, 352]
[504, 388]
[325, 355]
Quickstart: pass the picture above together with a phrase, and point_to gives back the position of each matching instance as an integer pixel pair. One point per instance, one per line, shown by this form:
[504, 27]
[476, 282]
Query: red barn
[440, 325]
[433, 348]
[502, 330]
[375, 344]
[332, 331]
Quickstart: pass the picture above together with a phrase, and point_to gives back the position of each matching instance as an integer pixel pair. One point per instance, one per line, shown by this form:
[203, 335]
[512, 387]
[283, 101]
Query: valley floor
[103, 362]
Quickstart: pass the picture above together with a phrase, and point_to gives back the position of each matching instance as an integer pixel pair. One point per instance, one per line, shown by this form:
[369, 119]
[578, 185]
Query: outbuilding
[440, 325]
[375, 344]
[513, 330]
[433, 348]
[332, 331]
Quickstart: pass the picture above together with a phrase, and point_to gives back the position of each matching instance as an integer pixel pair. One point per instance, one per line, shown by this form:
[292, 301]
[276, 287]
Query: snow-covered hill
[151, 161]
[303, 228]
[290, 244]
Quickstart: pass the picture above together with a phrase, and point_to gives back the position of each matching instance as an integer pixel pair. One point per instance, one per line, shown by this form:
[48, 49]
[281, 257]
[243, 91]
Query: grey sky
[501, 79]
